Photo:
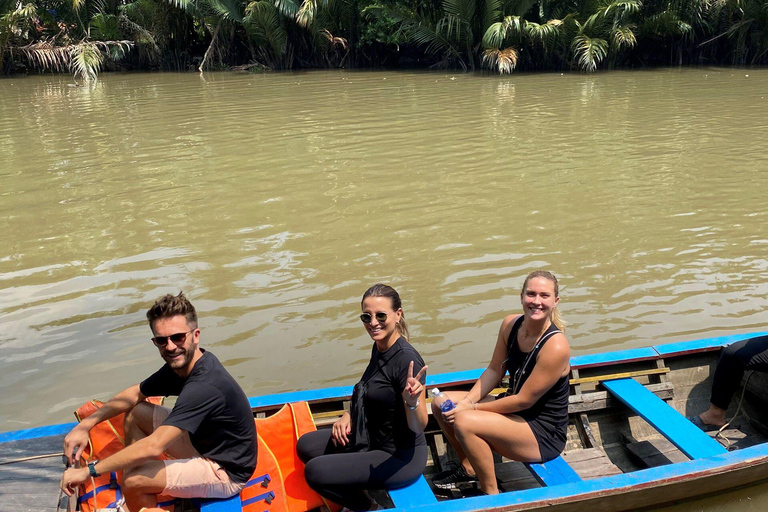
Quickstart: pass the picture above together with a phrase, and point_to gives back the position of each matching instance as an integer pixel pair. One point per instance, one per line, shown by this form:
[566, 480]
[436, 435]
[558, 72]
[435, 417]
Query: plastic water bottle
[442, 400]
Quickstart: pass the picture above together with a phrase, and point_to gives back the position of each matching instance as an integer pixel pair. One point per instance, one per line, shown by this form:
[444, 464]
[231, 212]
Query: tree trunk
[210, 47]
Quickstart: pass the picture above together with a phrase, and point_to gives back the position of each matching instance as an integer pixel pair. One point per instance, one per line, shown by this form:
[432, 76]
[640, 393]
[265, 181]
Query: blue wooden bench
[688, 438]
[554, 472]
[220, 505]
[418, 493]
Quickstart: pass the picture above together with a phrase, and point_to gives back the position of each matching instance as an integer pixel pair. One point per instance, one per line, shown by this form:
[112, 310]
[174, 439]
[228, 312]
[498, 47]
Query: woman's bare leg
[450, 433]
[480, 433]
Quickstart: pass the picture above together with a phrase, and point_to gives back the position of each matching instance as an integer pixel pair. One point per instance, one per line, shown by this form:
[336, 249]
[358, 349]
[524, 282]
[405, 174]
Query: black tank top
[552, 407]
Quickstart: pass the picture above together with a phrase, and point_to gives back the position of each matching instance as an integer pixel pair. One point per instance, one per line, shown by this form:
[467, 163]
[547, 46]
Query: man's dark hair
[169, 306]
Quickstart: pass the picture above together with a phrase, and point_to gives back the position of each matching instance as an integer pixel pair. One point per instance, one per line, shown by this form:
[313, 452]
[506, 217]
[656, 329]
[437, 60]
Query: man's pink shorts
[197, 477]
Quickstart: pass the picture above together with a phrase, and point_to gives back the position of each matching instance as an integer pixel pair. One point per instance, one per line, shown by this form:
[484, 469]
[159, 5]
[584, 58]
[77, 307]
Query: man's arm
[151, 447]
[77, 439]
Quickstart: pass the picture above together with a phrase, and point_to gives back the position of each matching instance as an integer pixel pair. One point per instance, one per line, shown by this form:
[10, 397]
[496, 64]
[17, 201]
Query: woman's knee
[314, 473]
[465, 424]
[303, 446]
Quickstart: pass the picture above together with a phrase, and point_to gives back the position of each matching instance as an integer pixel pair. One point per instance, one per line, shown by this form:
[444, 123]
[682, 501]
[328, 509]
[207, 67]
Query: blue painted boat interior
[558, 478]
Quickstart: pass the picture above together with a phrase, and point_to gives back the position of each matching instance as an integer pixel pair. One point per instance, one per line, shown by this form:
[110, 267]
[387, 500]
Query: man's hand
[413, 386]
[75, 443]
[341, 430]
[72, 478]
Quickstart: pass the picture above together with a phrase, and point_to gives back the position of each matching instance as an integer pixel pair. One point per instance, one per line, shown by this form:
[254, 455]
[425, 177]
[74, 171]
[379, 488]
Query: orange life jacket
[278, 483]
[105, 439]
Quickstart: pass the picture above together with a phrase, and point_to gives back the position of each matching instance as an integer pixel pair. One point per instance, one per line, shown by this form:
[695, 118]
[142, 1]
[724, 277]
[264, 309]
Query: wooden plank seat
[418, 493]
[553, 472]
[688, 438]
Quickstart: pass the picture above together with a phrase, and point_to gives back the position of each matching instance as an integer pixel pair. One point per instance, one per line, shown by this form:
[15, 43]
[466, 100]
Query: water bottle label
[447, 406]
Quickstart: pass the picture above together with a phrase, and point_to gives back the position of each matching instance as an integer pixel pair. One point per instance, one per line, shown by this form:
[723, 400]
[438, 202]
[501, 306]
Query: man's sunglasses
[366, 318]
[177, 338]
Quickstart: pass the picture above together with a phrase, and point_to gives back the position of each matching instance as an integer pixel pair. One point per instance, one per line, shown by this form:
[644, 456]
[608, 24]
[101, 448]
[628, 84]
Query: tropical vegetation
[86, 36]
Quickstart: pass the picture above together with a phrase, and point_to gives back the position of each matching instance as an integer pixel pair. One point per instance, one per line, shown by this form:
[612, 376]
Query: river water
[275, 200]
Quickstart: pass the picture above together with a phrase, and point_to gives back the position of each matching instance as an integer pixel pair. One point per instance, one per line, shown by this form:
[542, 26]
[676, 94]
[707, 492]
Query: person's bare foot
[713, 416]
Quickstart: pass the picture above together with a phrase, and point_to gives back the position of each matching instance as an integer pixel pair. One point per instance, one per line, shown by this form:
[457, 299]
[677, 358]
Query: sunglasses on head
[177, 339]
[366, 318]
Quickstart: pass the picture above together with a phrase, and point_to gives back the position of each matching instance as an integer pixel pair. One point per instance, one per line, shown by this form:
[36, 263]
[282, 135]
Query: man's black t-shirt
[213, 408]
[388, 373]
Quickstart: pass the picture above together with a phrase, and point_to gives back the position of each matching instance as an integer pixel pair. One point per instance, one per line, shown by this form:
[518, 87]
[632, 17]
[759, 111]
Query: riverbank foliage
[86, 36]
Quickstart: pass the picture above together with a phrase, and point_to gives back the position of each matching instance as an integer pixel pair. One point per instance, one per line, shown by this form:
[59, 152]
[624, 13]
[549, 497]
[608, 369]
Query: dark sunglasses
[366, 318]
[177, 338]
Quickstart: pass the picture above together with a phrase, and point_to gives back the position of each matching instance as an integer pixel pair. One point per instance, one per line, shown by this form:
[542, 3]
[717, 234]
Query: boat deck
[31, 485]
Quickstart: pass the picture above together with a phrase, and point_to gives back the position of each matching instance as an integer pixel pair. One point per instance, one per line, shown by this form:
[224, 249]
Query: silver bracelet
[418, 401]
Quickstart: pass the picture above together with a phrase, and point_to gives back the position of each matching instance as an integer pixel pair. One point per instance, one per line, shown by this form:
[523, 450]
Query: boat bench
[686, 436]
[231, 504]
[418, 493]
[554, 472]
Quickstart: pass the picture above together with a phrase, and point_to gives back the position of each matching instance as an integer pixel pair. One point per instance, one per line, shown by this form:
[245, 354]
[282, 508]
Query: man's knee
[140, 419]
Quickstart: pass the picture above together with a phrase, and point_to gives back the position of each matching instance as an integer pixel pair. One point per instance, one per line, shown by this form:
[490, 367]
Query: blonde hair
[554, 316]
[383, 290]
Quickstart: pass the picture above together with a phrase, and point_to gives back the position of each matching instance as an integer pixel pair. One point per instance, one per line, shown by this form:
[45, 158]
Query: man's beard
[182, 361]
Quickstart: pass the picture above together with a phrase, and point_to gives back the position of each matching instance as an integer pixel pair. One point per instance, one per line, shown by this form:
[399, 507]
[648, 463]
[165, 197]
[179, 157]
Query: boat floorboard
[33, 485]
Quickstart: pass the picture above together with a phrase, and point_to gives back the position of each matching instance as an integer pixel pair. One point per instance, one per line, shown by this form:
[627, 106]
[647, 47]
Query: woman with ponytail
[379, 444]
[527, 423]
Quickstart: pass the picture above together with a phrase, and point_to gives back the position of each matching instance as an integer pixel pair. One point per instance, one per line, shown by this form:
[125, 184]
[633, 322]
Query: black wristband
[92, 469]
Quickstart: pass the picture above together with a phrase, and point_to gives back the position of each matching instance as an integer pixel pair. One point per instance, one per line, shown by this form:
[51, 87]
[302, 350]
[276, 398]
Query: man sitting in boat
[528, 423]
[209, 435]
[751, 354]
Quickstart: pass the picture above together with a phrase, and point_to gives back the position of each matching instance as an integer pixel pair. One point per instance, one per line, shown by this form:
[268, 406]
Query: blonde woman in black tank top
[528, 424]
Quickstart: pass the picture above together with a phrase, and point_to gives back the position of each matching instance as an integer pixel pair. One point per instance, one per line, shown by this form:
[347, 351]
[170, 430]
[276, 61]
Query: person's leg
[314, 444]
[481, 433]
[344, 477]
[197, 477]
[450, 433]
[745, 355]
[144, 419]
[142, 484]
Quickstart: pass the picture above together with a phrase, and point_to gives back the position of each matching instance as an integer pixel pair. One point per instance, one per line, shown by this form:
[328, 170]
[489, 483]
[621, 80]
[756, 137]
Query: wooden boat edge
[595, 494]
[736, 469]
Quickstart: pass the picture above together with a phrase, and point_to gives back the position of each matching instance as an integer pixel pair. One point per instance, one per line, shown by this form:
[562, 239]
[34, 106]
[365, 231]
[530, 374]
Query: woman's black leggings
[341, 476]
[751, 354]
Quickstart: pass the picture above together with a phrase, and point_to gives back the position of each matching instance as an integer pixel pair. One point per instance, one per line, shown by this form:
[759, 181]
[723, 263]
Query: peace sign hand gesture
[413, 386]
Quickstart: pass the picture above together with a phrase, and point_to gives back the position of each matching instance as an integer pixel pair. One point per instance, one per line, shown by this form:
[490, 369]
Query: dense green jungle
[85, 37]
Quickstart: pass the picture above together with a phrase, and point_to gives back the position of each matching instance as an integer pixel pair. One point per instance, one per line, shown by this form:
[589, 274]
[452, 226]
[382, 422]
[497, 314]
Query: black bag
[360, 441]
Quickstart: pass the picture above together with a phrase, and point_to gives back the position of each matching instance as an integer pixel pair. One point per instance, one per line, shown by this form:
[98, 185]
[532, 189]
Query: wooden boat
[629, 444]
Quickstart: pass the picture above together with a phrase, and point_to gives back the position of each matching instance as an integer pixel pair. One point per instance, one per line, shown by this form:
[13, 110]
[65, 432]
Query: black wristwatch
[92, 469]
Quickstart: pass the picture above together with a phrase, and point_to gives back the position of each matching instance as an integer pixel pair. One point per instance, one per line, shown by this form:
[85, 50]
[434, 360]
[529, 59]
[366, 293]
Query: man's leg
[144, 419]
[142, 484]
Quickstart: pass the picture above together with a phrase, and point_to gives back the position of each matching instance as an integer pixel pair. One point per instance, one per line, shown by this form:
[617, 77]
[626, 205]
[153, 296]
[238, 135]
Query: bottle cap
[435, 392]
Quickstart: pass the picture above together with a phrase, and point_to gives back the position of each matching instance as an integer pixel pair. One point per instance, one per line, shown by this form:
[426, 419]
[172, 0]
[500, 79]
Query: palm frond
[86, 61]
[105, 27]
[288, 8]
[462, 9]
[589, 51]
[226, 9]
[307, 12]
[503, 61]
[183, 4]
[495, 35]
[624, 37]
